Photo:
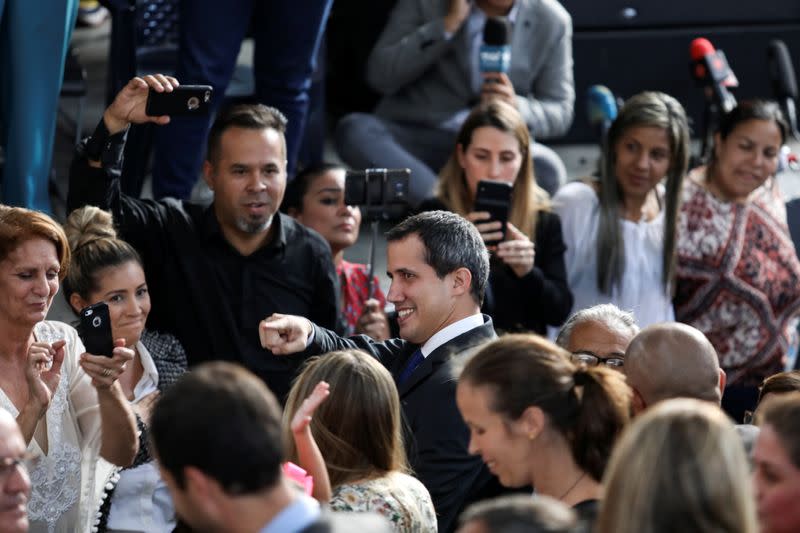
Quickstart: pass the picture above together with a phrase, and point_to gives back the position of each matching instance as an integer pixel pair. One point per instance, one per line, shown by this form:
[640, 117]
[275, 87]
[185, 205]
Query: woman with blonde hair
[538, 419]
[679, 467]
[358, 432]
[527, 288]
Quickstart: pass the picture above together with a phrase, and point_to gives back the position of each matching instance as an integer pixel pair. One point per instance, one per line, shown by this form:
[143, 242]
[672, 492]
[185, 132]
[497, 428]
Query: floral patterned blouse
[402, 499]
[738, 278]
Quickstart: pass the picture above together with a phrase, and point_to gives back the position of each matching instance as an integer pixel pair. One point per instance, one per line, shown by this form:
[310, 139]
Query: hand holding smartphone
[187, 100]
[95, 330]
[494, 197]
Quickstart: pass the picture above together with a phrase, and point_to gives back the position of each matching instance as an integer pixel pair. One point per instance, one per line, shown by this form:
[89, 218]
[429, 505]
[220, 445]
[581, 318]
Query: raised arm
[119, 440]
[309, 456]
[97, 165]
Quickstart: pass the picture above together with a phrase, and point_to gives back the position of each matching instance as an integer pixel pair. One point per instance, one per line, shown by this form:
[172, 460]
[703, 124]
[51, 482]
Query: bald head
[673, 360]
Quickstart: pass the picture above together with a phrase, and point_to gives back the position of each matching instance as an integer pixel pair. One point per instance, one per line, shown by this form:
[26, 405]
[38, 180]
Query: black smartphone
[183, 100]
[494, 197]
[95, 329]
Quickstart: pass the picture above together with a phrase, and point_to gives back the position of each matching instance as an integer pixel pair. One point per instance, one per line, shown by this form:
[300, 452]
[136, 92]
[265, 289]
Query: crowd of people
[614, 357]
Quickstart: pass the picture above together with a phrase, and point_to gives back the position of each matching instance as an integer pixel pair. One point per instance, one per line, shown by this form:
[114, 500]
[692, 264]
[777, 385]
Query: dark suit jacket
[435, 434]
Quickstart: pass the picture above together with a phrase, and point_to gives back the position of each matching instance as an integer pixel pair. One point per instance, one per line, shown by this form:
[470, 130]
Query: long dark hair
[649, 109]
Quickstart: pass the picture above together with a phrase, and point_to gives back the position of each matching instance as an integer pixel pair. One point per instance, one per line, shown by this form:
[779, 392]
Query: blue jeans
[34, 36]
[287, 36]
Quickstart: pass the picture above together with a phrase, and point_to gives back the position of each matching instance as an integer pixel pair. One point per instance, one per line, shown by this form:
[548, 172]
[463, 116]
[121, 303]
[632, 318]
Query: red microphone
[710, 68]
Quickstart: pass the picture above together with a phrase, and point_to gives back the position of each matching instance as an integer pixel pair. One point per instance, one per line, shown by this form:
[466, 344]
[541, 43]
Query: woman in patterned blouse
[315, 197]
[106, 269]
[358, 433]
[737, 269]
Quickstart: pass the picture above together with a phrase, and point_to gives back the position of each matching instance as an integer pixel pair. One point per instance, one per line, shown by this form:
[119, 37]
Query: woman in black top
[527, 285]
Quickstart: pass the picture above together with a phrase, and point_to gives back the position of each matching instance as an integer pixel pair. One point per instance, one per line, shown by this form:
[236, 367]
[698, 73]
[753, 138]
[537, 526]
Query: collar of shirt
[149, 381]
[297, 516]
[212, 229]
[477, 17]
[451, 332]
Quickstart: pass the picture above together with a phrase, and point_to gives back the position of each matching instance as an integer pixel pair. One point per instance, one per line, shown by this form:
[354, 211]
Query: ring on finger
[106, 372]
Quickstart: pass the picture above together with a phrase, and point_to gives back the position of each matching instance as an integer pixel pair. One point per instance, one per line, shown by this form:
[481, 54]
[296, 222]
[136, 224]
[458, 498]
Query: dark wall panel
[632, 60]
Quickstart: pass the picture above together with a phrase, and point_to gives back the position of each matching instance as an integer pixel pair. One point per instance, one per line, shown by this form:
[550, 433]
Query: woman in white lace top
[67, 403]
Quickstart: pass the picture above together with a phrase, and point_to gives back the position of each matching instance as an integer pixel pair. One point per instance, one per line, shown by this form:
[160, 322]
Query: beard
[251, 226]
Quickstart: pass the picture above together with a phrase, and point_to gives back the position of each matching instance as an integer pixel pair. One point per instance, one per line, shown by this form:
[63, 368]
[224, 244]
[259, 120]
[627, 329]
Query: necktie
[414, 361]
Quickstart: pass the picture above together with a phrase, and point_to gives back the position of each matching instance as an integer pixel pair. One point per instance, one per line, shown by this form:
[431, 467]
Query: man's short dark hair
[248, 116]
[222, 420]
[451, 242]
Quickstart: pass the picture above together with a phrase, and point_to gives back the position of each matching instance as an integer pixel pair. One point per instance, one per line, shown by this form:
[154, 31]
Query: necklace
[572, 486]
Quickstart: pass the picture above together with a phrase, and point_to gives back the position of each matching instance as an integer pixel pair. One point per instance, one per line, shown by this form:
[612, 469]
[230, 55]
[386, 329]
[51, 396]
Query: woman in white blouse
[107, 269]
[620, 229]
[68, 404]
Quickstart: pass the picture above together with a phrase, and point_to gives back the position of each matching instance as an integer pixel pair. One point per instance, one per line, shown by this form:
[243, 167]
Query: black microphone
[784, 82]
[495, 51]
[710, 69]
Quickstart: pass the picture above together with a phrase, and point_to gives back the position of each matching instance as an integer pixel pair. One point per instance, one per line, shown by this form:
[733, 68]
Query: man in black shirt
[215, 272]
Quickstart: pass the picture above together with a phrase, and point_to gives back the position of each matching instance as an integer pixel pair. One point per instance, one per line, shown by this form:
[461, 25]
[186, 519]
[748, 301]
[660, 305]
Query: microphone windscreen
[496, 31]
[781, 70]
[700, 48]
[601, 106]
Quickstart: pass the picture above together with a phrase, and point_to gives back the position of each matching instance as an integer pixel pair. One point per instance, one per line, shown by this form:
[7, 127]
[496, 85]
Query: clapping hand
[43, 371]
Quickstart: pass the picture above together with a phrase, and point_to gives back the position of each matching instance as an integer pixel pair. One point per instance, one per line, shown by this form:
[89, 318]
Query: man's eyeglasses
[9, 465]
[591, 359]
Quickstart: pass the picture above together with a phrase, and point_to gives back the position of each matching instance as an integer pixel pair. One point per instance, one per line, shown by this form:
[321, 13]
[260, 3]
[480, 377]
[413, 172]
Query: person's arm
[119, 440]
[291, 334]
[43, 374]
[309, 456]
[541, 295]
[412, 42]
[548, 106]
[97, 165]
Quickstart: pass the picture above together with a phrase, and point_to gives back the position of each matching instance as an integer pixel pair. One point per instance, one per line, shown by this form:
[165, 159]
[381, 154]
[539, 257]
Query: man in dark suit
[439, 268]
[222, 463]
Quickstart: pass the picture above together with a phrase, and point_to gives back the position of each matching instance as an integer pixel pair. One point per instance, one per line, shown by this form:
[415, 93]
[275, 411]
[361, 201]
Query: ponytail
[602, 409]
[588, 405]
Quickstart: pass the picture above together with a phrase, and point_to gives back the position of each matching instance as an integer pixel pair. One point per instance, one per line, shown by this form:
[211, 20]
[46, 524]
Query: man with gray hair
[598, 335]
[672, 360]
